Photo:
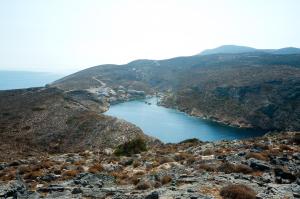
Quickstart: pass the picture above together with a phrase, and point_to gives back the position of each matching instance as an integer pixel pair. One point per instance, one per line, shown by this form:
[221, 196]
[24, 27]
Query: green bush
[131, 147]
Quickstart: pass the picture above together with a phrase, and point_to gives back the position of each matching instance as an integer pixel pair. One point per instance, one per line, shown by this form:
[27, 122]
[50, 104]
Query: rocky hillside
[255, 89]
[261, 168]
[48, 120]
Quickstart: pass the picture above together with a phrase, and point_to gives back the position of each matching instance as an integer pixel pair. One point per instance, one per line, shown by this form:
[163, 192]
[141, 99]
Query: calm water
[170, 125]
[22, 79]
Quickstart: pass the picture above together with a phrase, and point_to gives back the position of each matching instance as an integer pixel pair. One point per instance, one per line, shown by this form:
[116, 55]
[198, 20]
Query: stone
[76, 190]
[153, 195]
[49, 177]
[259, 165]
[12, 189]
[52, 188]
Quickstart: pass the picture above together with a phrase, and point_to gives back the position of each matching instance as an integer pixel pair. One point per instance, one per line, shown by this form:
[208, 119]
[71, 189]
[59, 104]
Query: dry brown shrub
[182, 156]
[96, 168]
[136, 163]
[234, 168]
[157, 184]
[163, 160]
[140, 173]
[70, 173]
[79, 163]
[33, 175]
[284, 147]
[258, 156]
[207, 167]
[237, 192]
[143, 185]
[166, 179]
[46, 164]
[135, 180]
[241, 168]
[208, 152]
[24, 169]
[226, 167]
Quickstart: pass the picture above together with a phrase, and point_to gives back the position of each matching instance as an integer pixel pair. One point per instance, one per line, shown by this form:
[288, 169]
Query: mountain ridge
[236, 49]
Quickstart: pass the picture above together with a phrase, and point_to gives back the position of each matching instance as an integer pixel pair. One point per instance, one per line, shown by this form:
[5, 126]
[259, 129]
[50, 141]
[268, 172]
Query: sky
[64, 36]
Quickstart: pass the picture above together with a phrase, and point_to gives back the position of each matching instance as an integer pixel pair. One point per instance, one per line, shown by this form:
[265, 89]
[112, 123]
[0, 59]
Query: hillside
[38, 121]
[255, 90]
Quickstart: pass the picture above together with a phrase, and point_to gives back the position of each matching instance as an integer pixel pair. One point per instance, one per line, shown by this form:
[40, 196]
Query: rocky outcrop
[164, 171]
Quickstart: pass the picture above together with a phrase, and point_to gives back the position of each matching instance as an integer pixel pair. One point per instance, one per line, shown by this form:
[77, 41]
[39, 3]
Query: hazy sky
[69, 35]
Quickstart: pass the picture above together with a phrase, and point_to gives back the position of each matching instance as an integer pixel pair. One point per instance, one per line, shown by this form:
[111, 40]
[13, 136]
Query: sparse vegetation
[237, 192]
[134, 146]
[258, 156]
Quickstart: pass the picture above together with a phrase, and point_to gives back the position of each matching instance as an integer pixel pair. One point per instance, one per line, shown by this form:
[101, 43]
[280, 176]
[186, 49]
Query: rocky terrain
[266, 167]
[48, 120]
[253, 89]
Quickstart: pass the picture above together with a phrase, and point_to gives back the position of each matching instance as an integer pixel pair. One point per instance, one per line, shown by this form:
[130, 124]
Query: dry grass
[237, 192]
[284, 147]
[136, 163]
[135, 180]
[70, 173]
[163, 160]
[143, 185]
[96, 168]
[166, 179]
[33, 175]
[258, 156]
[207, 167]
[234, 168]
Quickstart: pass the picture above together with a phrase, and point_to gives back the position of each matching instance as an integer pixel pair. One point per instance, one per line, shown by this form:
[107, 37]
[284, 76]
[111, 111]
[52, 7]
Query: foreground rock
[269, 166]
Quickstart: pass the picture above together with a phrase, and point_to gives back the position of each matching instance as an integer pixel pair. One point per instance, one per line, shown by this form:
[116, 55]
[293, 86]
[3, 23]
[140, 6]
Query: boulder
[12, 189]
[259, 165]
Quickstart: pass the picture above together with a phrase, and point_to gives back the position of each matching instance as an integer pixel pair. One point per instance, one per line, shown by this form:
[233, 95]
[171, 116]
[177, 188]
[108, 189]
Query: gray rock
[52, 188]
[49, 177]
[76, 190]
[12, 189]
[259, 165]
[153, 195]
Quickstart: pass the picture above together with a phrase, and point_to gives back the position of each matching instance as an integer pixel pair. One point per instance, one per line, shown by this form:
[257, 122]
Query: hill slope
[257, 90]
[48, 120]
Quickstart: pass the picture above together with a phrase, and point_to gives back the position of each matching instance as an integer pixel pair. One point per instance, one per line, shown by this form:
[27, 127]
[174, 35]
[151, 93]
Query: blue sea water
[172, 126]
[24, 79]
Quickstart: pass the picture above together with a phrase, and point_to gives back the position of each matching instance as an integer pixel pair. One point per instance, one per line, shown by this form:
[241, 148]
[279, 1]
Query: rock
[112, 167]
[76, 190]
[281, 174]
[49, 177]
[12, 189]
[259, 164]
[108, 151]
[3, 166]
[93, 180]
[296, 156]
[52, 188]
[153, 195]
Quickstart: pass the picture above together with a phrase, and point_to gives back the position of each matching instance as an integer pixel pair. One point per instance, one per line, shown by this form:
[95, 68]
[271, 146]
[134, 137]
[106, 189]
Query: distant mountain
[228, 49]
[234, 49]
[285, 51]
